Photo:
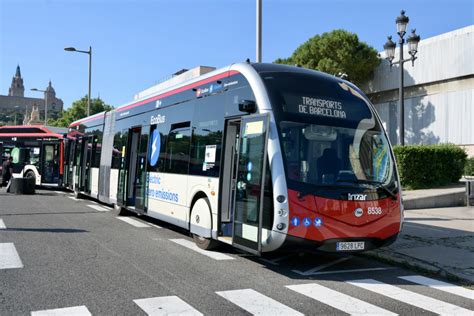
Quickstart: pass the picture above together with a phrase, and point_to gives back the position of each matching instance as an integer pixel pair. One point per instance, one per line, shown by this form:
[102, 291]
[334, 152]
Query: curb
[394, 258]
[452, 199]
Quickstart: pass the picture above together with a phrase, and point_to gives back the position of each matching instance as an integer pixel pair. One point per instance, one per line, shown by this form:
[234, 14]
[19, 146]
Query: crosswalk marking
[70, 311]
[340, 301]
[2, 224]
[133, 222]
[192, 246]
[412, 298]
[98, 208]
[166, 305]
[439, 285]
[257, 303]
[9, 258]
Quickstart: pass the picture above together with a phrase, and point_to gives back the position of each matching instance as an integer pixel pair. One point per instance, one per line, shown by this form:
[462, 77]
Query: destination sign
[315, 106]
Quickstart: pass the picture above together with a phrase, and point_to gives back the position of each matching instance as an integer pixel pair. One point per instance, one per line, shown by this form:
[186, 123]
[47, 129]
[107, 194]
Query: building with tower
[15, 108]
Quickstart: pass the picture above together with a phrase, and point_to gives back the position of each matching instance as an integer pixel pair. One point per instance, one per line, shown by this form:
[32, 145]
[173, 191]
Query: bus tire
[121, 211]
[30, 174]
[205, 243]
[201, 224]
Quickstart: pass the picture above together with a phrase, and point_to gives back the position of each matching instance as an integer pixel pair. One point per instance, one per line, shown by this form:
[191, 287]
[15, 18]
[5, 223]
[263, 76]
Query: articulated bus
[37, 152]
[259, 156]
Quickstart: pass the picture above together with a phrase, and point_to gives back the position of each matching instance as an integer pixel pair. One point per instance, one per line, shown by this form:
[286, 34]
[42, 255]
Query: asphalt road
[70, 256]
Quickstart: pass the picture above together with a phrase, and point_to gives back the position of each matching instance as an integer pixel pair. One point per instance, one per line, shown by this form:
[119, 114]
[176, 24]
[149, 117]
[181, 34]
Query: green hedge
[428, 166]
[469, 169]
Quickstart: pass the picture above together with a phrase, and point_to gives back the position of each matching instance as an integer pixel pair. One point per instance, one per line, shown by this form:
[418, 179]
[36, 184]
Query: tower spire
[18, 72]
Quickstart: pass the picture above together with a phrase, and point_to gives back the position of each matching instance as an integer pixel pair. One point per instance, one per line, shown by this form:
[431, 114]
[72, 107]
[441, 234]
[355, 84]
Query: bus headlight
[282, 213]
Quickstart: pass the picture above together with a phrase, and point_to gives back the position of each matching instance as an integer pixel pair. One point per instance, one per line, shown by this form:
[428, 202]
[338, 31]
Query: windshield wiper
[376, 184]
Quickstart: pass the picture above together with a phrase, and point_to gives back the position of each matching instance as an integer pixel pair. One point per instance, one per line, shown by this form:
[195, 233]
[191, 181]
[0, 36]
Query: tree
[78, 110]
[336, 52]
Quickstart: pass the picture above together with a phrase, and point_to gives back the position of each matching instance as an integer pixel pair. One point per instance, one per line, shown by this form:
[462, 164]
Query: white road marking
[321, 267]
[257, 303]
[412, 298]
[166, 305]
[73, 198]
[9, 258]
[192, 246]
[154, 225]
[2, 224]
[133, 222]
[98, 208]
[440, 285]
[70, 311]
[340, 301]
[59, 192]
[348, 271]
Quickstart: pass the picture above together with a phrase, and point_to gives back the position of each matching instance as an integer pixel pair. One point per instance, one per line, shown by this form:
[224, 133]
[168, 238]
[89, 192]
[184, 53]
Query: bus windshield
[329, 135]
[322, 155]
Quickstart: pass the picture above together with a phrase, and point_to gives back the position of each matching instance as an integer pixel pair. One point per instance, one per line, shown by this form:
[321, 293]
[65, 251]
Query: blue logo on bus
[295, 221]
[155, 147]
[318, 222]
[306, 221]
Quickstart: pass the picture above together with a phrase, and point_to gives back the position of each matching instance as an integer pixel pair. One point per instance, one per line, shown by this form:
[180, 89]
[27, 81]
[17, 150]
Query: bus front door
[249, 183]
[141, 181]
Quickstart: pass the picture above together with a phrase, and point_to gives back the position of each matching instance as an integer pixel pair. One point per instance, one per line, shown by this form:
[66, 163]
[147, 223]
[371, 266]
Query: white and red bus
[37, 152]
[259, 156]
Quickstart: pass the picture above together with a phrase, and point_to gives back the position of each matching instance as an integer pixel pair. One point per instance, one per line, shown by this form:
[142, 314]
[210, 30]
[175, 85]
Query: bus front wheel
[205, 243]
[30, 174]
[201, 224]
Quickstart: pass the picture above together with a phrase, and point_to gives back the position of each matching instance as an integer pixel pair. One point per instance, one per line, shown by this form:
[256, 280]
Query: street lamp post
[72, 49]
[259, 31]
[45, 104]
[389, 47]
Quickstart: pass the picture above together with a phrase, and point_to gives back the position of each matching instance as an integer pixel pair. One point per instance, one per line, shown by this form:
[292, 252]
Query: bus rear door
[132, 181]
[249, 183]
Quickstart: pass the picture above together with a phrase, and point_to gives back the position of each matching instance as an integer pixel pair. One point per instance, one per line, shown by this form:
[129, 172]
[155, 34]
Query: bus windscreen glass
[329, 135]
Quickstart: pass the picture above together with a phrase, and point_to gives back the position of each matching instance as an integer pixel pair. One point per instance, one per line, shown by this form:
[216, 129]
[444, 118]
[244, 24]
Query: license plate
[352, 245]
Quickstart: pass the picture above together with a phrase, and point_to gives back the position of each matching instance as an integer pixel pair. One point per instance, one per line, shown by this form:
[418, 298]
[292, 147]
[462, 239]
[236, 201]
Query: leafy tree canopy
[78, 110]
[336, 52]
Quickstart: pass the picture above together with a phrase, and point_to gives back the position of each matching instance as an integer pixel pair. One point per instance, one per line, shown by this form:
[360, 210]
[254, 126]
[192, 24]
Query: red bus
[37, 151]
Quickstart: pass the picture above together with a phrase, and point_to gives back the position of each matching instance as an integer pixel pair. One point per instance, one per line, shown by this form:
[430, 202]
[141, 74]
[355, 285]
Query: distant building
[439, 92]
[16, 102]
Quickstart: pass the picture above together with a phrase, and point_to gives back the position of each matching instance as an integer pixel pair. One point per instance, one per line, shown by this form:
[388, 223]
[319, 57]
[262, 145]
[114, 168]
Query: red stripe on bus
[181, 89]
[89, 119]
[41, 135]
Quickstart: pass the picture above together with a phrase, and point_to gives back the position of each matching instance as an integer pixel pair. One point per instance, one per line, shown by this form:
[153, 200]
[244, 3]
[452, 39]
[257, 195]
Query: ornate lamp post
[389, 47]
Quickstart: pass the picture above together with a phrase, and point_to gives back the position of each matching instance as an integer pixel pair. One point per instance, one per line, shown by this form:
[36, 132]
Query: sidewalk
[438, 241]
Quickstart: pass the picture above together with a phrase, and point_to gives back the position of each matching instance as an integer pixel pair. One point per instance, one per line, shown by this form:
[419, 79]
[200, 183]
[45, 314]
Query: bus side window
[177, 149]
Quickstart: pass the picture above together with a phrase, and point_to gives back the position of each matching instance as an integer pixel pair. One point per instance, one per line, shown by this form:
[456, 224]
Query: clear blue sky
[136, 43]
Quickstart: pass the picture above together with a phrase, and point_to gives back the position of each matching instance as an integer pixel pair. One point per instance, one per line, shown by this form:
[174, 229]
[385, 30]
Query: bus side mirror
[248, 106]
